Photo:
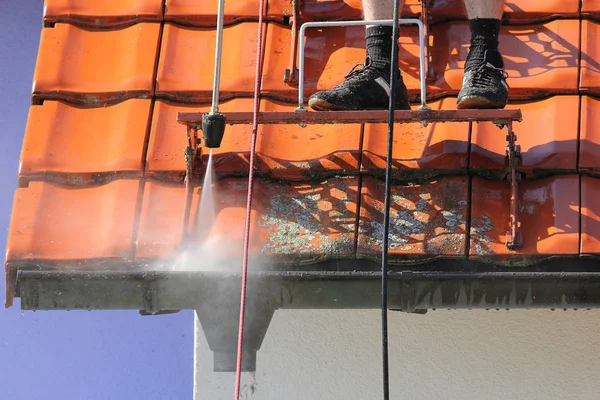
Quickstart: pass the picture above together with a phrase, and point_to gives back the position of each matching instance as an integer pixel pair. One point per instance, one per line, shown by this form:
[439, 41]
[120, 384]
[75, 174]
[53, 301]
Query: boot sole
[478, 102]
[322, 105]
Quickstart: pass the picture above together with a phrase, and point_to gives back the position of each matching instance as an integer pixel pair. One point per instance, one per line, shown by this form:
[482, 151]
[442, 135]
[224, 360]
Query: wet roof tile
[102, 14]
[548, 217]
[590, 57]
[289, 220]
[79, 146]
[65, 223]
[168, 140]
[281, 150]
[426, 221]
[547, 136]
[162, 220]
[185, 70]
[589, 140]
[79, 66]
[590, 216]
[422, 152]
[204, 14]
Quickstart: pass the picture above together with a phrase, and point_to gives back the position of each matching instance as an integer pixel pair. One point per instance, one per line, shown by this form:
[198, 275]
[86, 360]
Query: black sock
[484, 36]
[379, 47]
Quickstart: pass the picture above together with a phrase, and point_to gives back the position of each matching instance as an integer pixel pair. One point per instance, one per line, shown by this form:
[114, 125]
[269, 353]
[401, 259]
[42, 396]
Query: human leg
[484, 82]
[368, 87]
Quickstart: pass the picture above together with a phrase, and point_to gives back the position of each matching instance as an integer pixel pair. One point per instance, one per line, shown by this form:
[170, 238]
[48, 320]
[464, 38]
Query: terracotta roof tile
[62, 223]
[102, 14]
[204, 14]
[83, 146]
[591, 9]
[589, 145]
[168, 140]
[185, 69]
[520, 11]
[290, 221]
[162, 220]
[79, 66]
[427, 221]
[548, 215]
[590, 215]
[280, 149]
[590, 57]
[419, 152]
[546, 151]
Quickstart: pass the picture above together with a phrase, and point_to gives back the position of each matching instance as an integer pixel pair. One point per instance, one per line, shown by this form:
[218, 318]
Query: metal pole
[218, 52]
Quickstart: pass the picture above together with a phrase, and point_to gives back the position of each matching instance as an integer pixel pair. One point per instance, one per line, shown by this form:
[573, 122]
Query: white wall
[336, 354]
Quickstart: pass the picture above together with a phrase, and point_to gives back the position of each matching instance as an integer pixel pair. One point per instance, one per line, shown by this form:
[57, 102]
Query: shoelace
[355, 72]
[485, 74]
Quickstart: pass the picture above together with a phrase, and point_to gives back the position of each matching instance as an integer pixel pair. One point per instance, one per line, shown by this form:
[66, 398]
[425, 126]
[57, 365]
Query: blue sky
[78, 354]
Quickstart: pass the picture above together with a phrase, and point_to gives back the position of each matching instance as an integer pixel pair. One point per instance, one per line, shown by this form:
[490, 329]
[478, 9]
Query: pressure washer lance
[213, 128]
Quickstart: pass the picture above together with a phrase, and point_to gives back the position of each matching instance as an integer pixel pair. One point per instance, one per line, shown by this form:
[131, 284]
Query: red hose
[257, 81]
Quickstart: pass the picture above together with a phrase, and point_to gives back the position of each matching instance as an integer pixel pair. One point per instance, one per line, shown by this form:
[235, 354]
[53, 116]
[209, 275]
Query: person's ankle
[484, 37]
[379, 47]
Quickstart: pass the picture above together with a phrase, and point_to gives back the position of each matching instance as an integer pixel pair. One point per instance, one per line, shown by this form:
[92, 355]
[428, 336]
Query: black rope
[386, 215]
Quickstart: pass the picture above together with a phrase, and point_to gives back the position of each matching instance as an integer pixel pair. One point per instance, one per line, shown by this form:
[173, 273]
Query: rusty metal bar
[428, 62]
[290, 76]
[367, 116]
[191, 160]
[513, 152]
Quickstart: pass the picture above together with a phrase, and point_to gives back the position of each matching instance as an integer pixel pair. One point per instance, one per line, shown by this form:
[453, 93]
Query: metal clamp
[386, 22]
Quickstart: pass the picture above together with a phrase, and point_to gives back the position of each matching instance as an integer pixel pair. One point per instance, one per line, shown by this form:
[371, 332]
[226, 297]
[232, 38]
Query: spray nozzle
[213, 127]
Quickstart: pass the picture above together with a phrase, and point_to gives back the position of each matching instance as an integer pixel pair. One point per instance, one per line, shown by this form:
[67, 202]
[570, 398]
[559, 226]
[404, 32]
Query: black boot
[484, 82]
[368, 87]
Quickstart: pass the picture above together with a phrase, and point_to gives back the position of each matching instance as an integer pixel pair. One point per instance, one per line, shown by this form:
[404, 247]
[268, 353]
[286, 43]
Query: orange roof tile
[419, 152]
[589, 140]
[280, 149]
[548, 214]
[78, 65]
[84, 146]
[553, 150]
[64, 223]
[591, 9]
[290, 220]
[590, 215]
[427, 221]
[103, 151]
[590, 57]
[102, 14]
[204, 14]
[185, 69]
